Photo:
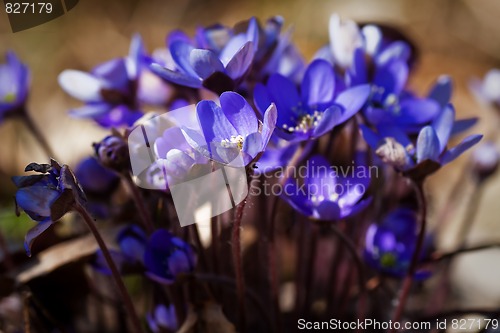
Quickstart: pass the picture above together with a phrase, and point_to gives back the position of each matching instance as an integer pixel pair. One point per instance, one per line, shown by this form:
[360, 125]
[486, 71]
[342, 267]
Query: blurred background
[456, 37]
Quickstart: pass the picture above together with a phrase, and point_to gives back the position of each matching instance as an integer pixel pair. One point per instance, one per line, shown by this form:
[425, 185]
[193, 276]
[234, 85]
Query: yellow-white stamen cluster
[316, 199]
[237, 140]
[305, 123]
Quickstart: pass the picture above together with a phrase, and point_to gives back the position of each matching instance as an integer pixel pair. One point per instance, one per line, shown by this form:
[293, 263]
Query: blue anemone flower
[327, 194]
[167, 256]
[14, 86]
[389, 246]
[109, 91]
[394, 147]
[129, 257]
[390, 104]
[46, 196]
[317, 109]
[162, 318]
[217, 67]
[94, 178]
[231, 133]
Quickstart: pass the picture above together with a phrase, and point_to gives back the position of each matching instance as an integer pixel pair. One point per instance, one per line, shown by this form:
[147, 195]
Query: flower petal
[33, 233]
[81, 85]
[352, 100]
[442, 90]
[417, 111]
[261, 98]
[371, 138]
[443, 125]
[176, 77]
[205, 63]
[427, 145]
[463, 125]
[284, 94]
[239, 113]
[241, 61]
[327, 211]
[330, 118]
[114, 72]
[252, 145]
[269, 123]
[459, 149]
[318, 85]
[180, 51]
[213, 122]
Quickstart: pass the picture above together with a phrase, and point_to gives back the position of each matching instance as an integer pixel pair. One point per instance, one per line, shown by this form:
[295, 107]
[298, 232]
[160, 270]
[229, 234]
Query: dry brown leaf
[62, 254]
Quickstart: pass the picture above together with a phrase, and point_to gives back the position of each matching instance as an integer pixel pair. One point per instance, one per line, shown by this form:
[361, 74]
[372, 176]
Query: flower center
[305, 123]
[9, 98]
[237, 140]
[316, 199]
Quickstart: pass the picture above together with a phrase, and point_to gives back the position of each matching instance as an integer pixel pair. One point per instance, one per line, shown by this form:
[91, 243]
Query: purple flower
[232, 133]
[162, 318]
[317, 109]
[14, 86]
[109, 91]
[46, 196]
[389, 246]
[485, 160]
[167, 256]
[487, 90]
[218, 67]
[277, 155]
[94, 178]
[326, 193]
[429, 153]
[129, 256]
[176, 160]
[389, 104]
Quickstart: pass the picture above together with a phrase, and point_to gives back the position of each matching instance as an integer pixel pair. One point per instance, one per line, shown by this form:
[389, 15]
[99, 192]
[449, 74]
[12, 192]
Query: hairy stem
[238, 266]
[28, 121]
[408, 280]
[127, 301]
[146, 220]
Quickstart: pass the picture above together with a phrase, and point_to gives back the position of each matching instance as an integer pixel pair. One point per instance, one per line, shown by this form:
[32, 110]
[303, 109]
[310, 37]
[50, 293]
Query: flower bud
[113, 153]
[485, 160]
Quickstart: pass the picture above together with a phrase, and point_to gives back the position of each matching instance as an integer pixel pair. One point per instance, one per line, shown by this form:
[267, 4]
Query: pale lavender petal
[81, 85]
[253, 145]
[269, 123]
[443, 125]
[114, 72]
[172, 138]
[176, 77]
[427, 145]
[239, 113]
[213, 122]
[241, 61]
[205, 63]
[91, 110]
[329, 119]
[180, 51]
